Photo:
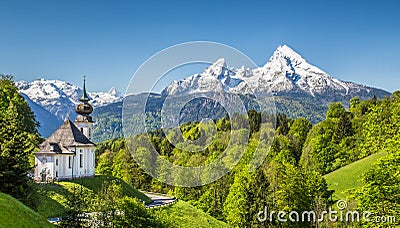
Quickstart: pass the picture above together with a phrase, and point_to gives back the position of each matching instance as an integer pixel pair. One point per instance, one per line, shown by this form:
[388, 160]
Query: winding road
[159, 200]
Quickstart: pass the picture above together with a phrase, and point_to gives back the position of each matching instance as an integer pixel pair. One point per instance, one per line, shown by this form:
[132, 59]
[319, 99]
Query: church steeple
[84, 108]
[84, 121]
[84, 97]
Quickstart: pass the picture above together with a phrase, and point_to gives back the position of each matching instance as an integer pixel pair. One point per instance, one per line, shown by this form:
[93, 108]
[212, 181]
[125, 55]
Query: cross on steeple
[84, 97]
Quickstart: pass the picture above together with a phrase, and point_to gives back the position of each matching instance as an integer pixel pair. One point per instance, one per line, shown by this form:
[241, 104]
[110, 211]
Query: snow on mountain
[60, 97]
[104, 98]
[216, 77]
[285, 72]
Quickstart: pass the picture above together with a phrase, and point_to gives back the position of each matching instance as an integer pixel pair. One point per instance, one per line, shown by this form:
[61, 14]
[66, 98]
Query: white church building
[69, 152]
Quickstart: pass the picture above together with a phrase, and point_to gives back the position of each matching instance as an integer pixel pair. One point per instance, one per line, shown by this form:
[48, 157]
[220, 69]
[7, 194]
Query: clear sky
[108, 40]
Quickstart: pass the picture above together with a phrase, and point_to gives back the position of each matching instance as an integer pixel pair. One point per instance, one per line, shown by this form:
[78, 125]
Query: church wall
[44, 162]
[57, 165]
[86, 128]
[90, 163]
[86, 154]
[64, 170]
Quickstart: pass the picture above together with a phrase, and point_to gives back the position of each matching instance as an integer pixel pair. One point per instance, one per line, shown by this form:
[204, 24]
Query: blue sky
[108, 40]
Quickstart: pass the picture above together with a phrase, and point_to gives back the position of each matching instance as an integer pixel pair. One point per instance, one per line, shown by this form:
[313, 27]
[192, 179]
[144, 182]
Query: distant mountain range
[286, 73]
[53, 100]
[300, 90]
[60, 97]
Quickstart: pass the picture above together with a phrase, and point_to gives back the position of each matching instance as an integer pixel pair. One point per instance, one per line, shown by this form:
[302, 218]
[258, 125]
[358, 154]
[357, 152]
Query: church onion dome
[84, 108]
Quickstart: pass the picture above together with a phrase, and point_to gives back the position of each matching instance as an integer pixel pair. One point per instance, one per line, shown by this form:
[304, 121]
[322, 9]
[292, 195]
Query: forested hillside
[109, 118]
[291, 176]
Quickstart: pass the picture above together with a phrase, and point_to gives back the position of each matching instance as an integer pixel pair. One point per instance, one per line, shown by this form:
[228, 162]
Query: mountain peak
[217, 69]
[284, 51]
[285, 59]
[286, 72]
[220, 62]
[113, 91]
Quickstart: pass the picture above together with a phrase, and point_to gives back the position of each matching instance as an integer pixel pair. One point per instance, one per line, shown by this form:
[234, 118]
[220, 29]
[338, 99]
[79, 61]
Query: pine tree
[76, 206]
[18, 139]
[344, 128]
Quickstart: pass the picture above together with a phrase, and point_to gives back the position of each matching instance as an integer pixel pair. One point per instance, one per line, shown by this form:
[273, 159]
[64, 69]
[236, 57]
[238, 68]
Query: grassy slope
[349, 176]
[15, 214]
[96, 183]
[182, 214]
[52, 197]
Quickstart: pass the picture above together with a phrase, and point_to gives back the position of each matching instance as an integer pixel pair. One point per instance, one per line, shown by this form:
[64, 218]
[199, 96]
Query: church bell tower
[84, 121]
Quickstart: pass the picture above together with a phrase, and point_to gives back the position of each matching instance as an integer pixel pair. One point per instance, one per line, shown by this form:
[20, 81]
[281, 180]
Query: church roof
[67, 135]
[54, 148]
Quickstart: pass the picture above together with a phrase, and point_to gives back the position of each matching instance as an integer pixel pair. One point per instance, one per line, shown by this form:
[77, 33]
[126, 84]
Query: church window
[56, 161]
[69, 162]
[81, 160]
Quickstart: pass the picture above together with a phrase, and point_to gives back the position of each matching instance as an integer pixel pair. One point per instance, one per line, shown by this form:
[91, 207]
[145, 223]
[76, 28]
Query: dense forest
[291, 177]
[109, 118]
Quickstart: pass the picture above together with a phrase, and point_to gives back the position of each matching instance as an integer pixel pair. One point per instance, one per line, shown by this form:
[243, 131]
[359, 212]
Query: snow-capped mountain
[301, 89]
[60, 97]
[286, 72]
[215, 78]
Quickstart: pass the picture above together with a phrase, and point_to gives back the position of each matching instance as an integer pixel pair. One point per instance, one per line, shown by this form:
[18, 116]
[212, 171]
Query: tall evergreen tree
[344, 127]
[18, 139]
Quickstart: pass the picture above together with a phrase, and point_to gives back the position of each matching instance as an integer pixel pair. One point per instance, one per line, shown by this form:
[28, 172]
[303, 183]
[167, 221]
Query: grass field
[95, 185]
[15, 214]
[52, 197]
[349, 176]
[182, 214]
